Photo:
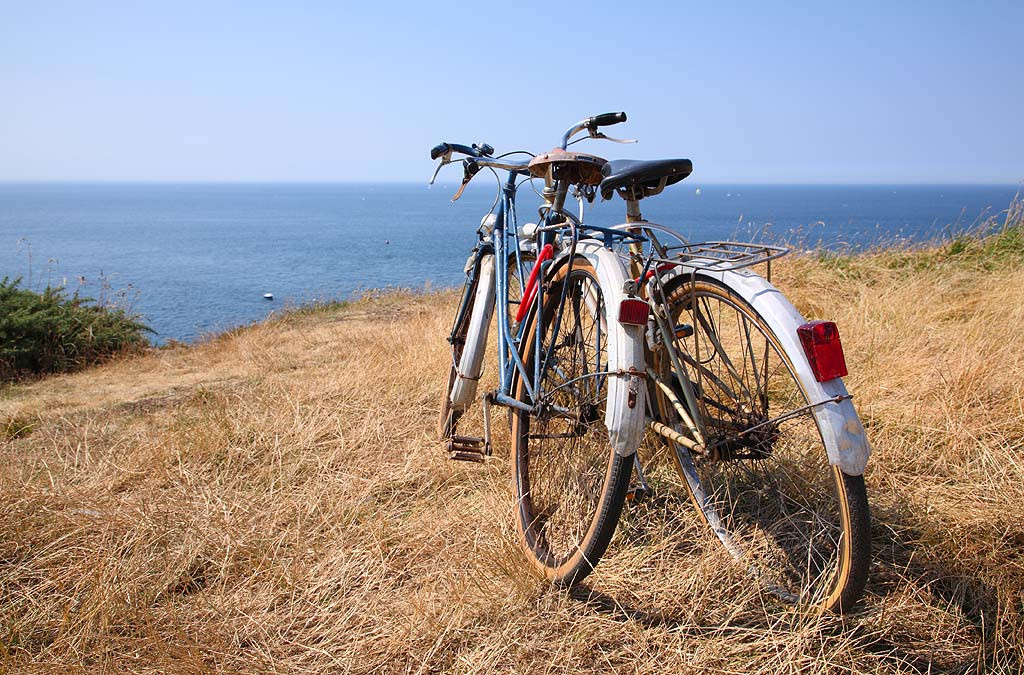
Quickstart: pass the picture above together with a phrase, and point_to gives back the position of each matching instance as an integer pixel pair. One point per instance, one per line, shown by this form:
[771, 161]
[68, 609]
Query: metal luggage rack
[722, 256]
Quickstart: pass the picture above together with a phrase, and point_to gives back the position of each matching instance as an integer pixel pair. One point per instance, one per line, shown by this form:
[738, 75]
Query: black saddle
[642, 178]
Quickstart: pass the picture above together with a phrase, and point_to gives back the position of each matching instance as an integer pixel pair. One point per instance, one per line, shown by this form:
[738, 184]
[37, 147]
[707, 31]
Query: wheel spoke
[563, 452]
[765, 484]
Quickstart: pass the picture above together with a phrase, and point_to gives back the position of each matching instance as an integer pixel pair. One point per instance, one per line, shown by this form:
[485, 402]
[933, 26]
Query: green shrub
[51, 332]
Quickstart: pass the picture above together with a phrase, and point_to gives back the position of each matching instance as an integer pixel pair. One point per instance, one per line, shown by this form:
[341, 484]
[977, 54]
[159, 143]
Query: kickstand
[640, 489]
[487, 424]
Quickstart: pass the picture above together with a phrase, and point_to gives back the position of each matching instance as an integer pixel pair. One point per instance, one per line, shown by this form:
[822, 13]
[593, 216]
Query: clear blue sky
[342, 91]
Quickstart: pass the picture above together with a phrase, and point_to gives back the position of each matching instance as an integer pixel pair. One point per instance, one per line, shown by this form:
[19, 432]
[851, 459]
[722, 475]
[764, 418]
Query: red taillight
[633, 312]
[820, 340]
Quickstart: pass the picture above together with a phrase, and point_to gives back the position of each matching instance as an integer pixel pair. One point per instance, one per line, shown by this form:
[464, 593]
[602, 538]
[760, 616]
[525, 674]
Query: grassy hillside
[275, 500]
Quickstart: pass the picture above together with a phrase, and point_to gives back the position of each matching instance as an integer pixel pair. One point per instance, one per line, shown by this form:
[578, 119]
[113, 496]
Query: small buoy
[268, 296]
[387, 241]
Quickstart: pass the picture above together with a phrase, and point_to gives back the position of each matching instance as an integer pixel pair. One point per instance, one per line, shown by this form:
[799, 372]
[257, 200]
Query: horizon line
[795, 183]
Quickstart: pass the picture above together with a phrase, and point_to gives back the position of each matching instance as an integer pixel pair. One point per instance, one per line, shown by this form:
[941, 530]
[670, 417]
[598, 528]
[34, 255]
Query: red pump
[530, 292]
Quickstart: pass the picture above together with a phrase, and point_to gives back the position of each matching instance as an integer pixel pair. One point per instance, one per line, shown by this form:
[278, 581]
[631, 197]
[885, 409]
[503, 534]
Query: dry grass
[274, 500]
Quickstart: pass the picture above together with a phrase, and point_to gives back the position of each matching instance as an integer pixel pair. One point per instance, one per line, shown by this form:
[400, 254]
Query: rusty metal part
[467, 449]
[469, 169]
[676, 437]
[466, 456]
[576, 168]
[465, 182]
[680, 410]
[640, 490]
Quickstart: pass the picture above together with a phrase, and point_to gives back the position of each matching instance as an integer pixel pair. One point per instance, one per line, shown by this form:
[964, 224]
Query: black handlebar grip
[607, 119]
[439, 150]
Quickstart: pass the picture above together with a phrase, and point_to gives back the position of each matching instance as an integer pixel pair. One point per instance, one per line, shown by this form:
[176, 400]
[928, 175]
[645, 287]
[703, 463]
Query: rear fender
[845, 441]
[627, 393]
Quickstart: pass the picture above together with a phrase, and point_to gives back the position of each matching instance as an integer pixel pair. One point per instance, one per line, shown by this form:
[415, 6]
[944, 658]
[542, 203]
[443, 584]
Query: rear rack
[721, 256]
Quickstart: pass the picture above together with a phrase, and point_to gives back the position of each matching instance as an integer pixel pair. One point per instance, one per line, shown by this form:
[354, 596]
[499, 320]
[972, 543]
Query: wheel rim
[563, 457]
[770, 494]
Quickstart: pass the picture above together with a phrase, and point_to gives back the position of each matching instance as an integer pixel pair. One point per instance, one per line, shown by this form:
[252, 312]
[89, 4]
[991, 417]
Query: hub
[756, 444]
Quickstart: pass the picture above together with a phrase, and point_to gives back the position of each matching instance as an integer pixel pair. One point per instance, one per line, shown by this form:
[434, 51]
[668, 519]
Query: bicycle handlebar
[445, 148]
[591, 124]
[607, 119]
[475, 163]
[482, 155]
[476, 150]
[485, 150]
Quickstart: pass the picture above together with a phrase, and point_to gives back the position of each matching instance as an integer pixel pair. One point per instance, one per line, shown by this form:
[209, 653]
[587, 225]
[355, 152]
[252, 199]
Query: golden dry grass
[274, 500]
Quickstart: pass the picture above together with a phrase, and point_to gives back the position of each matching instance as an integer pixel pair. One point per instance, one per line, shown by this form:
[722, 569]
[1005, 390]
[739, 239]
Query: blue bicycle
[569, 369]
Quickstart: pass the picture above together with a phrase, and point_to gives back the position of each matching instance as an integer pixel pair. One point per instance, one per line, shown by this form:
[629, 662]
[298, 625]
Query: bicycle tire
[801, 524]
[449, 416]
[568, 503]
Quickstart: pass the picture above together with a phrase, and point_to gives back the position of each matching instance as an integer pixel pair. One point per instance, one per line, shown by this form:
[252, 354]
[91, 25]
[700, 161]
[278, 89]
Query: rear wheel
[569, 483]
[764, 482]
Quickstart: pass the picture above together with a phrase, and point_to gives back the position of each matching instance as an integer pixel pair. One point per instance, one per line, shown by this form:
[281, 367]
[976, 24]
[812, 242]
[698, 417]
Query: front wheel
[449, 415]
[569, 483]
[763, 480]
[462, 335]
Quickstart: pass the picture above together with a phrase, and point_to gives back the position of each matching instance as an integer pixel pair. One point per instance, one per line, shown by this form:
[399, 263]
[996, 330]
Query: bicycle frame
[504, 243]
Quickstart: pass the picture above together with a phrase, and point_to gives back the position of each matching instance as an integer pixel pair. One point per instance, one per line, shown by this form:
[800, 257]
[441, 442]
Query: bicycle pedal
[468, 441]
[461, 456]
[467, 449]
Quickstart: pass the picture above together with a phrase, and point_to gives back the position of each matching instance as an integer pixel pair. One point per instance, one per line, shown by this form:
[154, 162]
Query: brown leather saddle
[577, 168]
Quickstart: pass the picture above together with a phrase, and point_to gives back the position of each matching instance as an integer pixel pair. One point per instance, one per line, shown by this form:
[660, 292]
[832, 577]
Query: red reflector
[820, 340]
[633, 312]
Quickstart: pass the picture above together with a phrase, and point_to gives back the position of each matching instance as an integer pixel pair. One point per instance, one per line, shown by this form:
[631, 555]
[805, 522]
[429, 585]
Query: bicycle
[746, 395]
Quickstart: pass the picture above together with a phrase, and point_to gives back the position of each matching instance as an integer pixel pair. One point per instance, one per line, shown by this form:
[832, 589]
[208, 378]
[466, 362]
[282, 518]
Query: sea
[197, 259]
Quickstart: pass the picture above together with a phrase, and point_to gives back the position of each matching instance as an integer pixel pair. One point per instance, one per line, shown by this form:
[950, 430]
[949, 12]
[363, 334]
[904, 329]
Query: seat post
[633, 211]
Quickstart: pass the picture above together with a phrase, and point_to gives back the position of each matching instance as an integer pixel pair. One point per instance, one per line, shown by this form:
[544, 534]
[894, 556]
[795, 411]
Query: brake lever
[465, 182]
[437, 171]
[469, 169]
[598, 134]
[446, 158]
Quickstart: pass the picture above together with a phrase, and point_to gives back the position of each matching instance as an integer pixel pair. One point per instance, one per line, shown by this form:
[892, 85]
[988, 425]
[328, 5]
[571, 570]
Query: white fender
[845, 441]
[471, 364]
[625, 352]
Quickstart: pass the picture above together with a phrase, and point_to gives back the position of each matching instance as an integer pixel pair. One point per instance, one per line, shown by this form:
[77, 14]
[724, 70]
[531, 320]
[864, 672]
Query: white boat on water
[268, 296]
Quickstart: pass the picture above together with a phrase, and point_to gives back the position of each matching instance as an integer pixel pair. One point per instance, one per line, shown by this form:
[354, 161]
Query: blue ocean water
[197, 258]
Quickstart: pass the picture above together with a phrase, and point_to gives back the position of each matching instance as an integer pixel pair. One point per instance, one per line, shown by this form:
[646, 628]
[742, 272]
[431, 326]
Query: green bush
[51, 332]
